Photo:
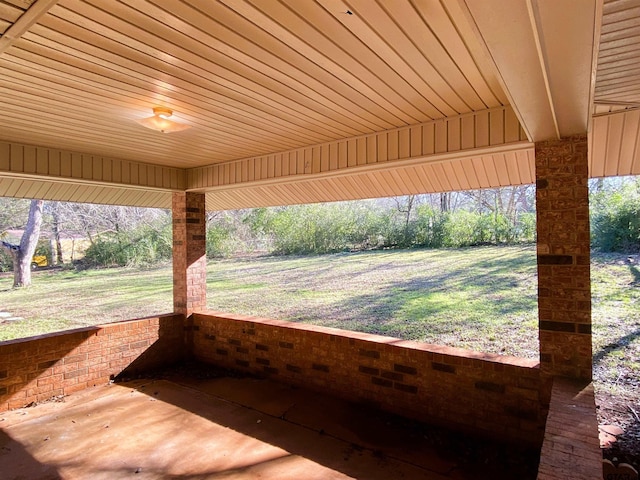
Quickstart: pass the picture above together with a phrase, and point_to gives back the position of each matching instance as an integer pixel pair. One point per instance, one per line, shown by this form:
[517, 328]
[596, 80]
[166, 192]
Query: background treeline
[138, 236]
[500, 216]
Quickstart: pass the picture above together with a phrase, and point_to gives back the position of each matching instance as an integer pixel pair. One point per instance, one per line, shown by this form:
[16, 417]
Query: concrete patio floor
[235, 427]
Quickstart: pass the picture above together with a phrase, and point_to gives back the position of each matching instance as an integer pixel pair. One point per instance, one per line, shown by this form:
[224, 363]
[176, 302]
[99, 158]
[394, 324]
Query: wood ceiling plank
[13, 188]
[26, 20]
[627, 51]
[622, 44]
[618, 57]
[635, 167]
[628, 20]
[187, 53]
[431, 179]
[414, 90]
[444, 181]
[455, 182]
[481, 172]
[449, 19]
[4, 25]
[614, 143]
[617, 72]
[250, 49]
[628, 149]
[404, 182]
[461, 176]
[335, 49]
[23, 132]
[524, 169]
[598, 146]
[631, 31]
[512, 168]
[378, 185]
[501, 168]
[51, 86]
[463, 77]
[278, 42]
[104, 71]
[348, 49]
[10, 13]
[437, 75]
[194, 82]
[472, 173]
[614, 6]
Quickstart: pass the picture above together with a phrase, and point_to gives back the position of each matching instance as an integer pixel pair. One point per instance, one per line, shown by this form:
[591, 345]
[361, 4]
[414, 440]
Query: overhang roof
[294, 101]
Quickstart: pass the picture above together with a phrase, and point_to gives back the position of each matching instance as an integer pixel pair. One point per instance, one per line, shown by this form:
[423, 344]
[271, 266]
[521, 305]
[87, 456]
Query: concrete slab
[225, 428]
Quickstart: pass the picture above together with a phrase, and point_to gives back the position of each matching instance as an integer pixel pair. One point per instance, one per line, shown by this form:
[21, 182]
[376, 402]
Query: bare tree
[23, 253]
[55, 226]
[405, 205]
[445, 202]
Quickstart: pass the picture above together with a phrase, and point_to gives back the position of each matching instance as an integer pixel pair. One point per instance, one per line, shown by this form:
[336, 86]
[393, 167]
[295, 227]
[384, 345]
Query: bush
[615, 219]
[430, 227]
[219, 239]
[144, 246]
[309, 229]
[6, 261]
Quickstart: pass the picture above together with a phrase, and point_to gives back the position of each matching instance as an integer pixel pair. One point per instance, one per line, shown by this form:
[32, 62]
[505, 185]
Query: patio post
[189, 252]
[563, 253]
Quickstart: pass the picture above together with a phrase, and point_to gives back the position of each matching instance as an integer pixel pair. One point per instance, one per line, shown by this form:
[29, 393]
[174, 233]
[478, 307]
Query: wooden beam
[461, 136]
[26, 20]
[34, 162]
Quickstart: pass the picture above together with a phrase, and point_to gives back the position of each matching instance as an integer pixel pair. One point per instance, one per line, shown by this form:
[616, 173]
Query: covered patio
[291, 102]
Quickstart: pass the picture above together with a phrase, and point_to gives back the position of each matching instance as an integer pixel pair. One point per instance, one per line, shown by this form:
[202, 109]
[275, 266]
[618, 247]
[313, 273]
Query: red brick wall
[489, 394]
[189, 252]
[564, 288]
[571, 447]
[35, 369]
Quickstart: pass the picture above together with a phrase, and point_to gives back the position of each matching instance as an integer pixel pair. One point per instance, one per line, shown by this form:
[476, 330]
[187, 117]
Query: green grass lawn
[481, 299]
[477, 298]
[64, 299]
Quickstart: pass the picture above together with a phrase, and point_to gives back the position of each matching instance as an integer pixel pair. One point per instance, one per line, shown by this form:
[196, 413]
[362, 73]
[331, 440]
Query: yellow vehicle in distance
[39, 261]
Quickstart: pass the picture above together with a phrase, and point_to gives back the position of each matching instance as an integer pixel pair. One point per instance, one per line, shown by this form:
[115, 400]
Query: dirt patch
[623, 413]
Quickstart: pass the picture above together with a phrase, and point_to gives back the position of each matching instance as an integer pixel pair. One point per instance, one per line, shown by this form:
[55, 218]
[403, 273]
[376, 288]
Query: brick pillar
[564, 285]
[189, 253]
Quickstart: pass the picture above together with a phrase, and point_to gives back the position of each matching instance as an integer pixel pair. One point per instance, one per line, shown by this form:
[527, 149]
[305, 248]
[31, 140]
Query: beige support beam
[31, 162]
[461, 136]
[545, 56]
[26, 20]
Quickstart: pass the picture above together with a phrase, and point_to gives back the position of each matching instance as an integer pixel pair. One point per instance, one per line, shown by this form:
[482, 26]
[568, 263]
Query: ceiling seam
[535, 30]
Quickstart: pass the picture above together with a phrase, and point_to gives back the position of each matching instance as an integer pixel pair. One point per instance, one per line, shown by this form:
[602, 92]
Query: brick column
[564, 286]
[189, 253]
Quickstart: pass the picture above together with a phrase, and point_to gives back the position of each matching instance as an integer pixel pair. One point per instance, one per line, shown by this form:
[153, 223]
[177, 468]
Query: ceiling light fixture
[160, 121]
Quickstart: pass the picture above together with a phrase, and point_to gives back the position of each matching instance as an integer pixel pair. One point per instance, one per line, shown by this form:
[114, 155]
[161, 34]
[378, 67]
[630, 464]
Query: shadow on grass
[622, 342]
[636, 274]
[467, 300]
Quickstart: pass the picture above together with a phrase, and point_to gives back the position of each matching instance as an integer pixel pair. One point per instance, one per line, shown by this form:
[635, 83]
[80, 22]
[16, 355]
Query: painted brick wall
[35, 369]
[489, 394]
[564, 288]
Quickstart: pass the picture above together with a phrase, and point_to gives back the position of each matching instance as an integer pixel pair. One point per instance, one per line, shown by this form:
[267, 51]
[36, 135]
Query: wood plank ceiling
[251, 78]
[258, 78]
[615, 139]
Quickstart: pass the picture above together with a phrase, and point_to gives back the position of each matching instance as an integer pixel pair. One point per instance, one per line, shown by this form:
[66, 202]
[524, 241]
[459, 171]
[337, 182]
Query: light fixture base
[160, 121]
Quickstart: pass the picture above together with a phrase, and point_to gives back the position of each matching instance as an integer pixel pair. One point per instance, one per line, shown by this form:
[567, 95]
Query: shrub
[144, 246]
[430, 227]
[615, 219]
